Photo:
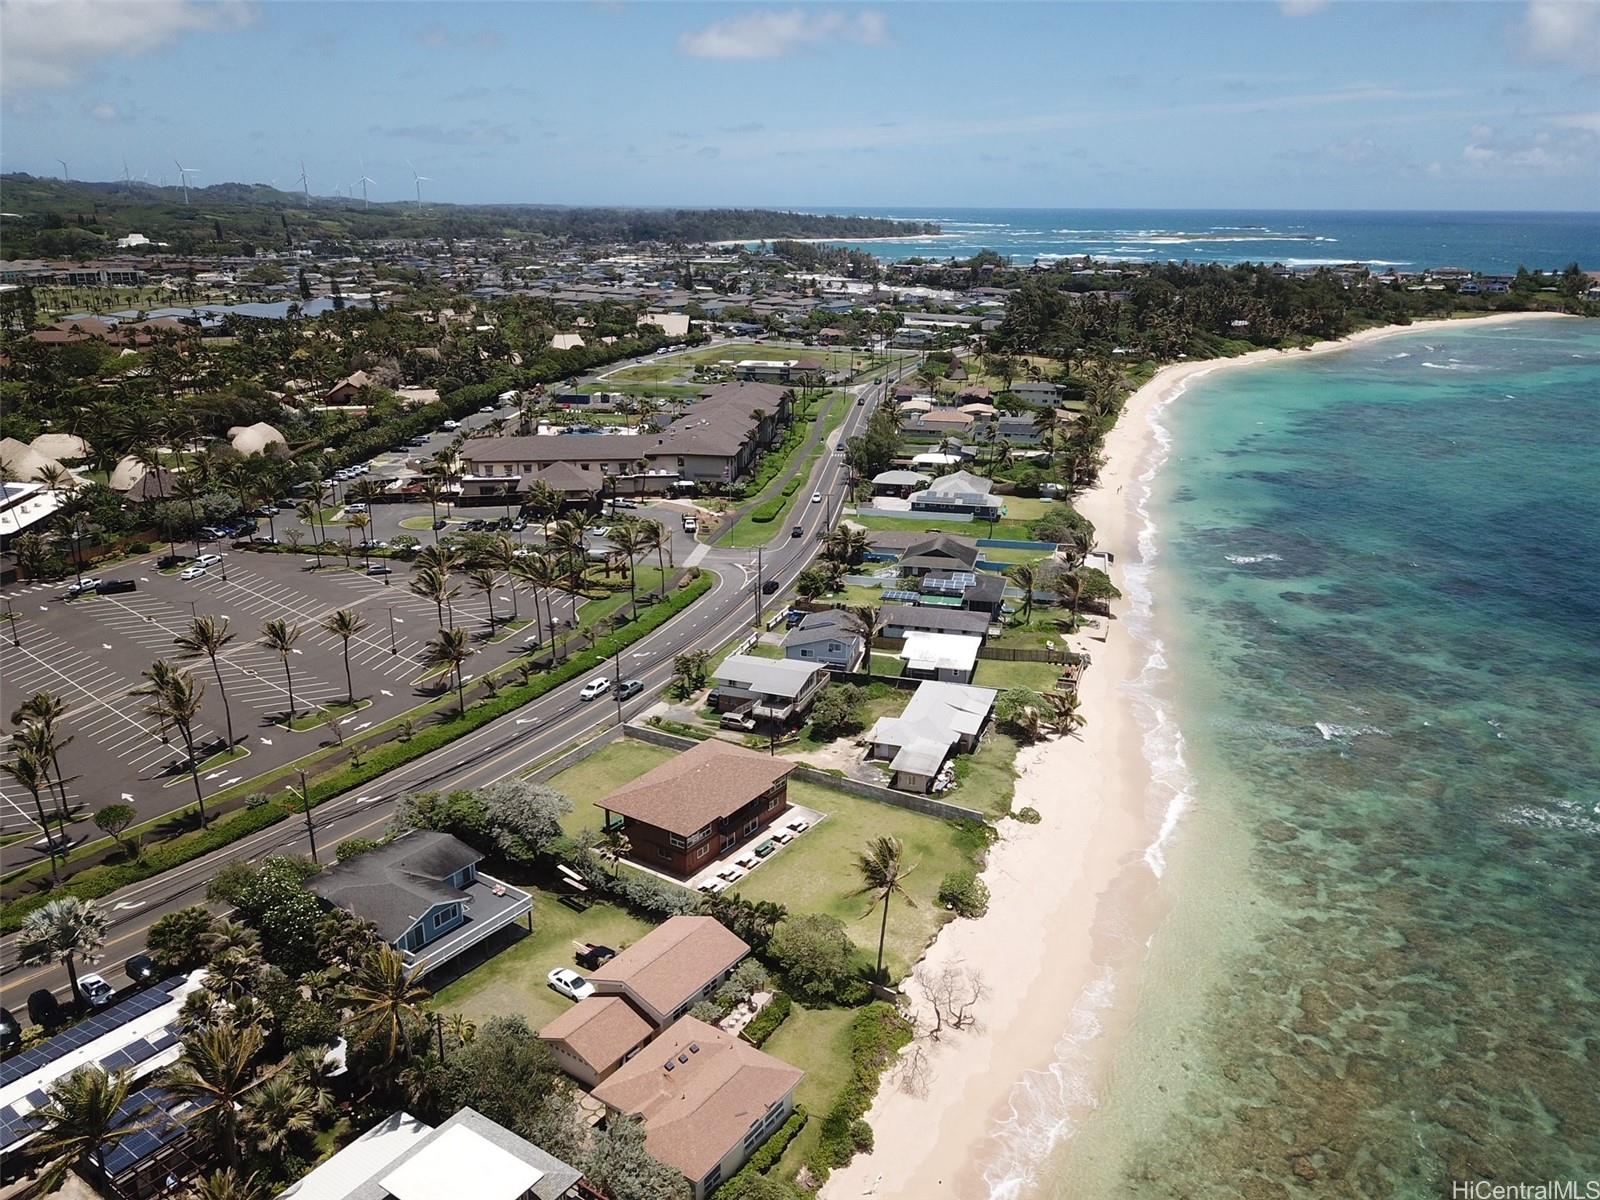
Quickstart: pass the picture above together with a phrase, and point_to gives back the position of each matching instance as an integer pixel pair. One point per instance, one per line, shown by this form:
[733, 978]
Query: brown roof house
[699, 805]
[596, 1036]
[672, 968]
[708, 1100]
[348, 389]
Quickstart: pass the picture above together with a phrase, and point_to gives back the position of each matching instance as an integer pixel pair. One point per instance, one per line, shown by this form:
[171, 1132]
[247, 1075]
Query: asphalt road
[506, 747]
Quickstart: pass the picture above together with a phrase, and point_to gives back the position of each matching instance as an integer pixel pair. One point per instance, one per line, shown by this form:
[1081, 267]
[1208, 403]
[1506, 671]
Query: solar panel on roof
[151, 1105]
[901, 597]
[95, 1026]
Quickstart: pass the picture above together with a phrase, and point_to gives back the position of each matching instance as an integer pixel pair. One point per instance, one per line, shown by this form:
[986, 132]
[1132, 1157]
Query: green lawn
[986, 780]
[817, 1040]
[816, 873]
[601, 774]
[1005, 554]
[1035, 676]
[513, 982]
[749, 532]
[1008, 529]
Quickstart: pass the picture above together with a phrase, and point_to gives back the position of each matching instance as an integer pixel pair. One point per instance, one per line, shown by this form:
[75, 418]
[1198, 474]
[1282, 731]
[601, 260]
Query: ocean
[1494, 243]
[1376, 718]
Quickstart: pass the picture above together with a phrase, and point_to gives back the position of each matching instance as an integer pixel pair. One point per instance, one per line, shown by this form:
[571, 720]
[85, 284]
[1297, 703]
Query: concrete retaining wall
[573, 757]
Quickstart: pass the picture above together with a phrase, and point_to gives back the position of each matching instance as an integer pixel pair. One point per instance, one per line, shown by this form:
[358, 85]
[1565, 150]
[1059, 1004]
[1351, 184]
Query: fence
[1015, 544]
[1029, 654]
[572, 757]
[927, 805]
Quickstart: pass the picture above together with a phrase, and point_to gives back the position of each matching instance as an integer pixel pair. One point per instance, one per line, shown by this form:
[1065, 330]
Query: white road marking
[266, 741]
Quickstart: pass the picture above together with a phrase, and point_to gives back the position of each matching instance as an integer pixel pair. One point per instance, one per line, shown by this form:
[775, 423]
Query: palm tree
[1065, 716]
[48, 711]
[432, 584]
[81, 1122]
[215, 1073]
[433, 492]
[614, 846]
[62, 931]
[186, 489]
[360, 521]
[443, 559]
[502, 555]
[383, 997]
[869, 624]
[228, 1184]
[883, 872]
[539, 573]
[32, 774]
[308, 512]
[450, 648]
[210, 636]
[344, 624]
[178, 700]
[625, 537]
[653, 536]
[567, 540]
[39, 742]
[276, 1112]
[1026, 577]
[279, 636]
[483, 579]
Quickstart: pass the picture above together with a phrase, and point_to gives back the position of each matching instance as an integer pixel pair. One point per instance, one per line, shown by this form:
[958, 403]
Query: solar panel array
[94, 1026]
[159, 1114]
[902, 597]
[955, 583]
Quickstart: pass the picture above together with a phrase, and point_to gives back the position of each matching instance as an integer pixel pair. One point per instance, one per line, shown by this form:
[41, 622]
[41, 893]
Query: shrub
[816, 956]
[766, 1021]
[138, 547]
[838, 711]
[861, 1135]
[765, 1158]
[876, 1036]
[770, 511]
[353, 847]
[708, 1012]
[1028, 815]
[964, 893]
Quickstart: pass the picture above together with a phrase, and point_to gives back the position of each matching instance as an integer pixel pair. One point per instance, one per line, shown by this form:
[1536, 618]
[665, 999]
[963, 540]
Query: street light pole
[759, 585]
[311, 829]
[11, 616]
[393, 646]
[616, 683]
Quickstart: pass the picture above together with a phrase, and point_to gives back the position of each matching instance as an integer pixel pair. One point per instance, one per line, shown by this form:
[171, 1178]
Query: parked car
[141, 968]
[355, 508]
[87, 584]
[592, 956]
[378, 569]
[570, 984]
[189, 573]
[10, 1032]
[451, 426]
[208, 560]
[440, 522]
[595, 688]
[690, 524]
[519, 525]
[44, 1009]
[211, 533]
[629, 688]
[110, 587]
[793, 617]
[267, 510]
[96, 992]
[739, 721]
[487, 408]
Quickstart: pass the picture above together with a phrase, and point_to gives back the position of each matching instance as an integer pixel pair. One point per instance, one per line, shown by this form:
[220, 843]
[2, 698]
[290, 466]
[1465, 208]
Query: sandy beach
[1075, 899]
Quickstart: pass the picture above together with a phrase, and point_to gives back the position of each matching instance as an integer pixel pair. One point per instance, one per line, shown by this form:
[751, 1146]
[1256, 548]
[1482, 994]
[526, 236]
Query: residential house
[779, 690]
[959, 492]
[348, 389]
[911, 339]
[830, 637]
[424, 894]
[672, 968]
[940, 423]
[404, 1158]
[939, 551]
[596, 1036]
[699, 805]
[941, 719]
[946, 657]
[899, 483]
[900, 619]
[708, 1100]
[1038, 395]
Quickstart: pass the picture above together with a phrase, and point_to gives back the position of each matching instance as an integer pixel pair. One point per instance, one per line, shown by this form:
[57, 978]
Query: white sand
[1074, 900]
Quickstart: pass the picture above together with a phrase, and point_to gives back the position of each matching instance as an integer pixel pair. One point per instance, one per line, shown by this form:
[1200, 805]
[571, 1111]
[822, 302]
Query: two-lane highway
[508, 746]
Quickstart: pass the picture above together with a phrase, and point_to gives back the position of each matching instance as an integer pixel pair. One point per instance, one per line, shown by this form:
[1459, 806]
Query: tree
[228, 1184]
[846, 544]
[653, 537]
[279, 636]
[1063, 716]
[80, 1122]
[815, 955]
[214, 1073]
[63, 931]
[869, 624]
[30, 771]
[177, 941]
[209, 635]
[614, 846]
[523, 817]
[620, 1166]
[384, 1000]
[484, 580]
[952, 993]
[344, 624]
[754, 921]
[816, 580]
[883, 871]
[838, 711]
[115, 819]
[1018, 711]
[272, 897]
[450, 649]
[689, 671]
[1026, 577]
[175, 697]
[276, 1112]
[625, 537]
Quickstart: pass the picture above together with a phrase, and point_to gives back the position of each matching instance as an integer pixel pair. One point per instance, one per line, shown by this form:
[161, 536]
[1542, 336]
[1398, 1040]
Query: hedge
[770, 511]
[876, 1036]
[764, 1159]
[95, 882]
[766, 1021]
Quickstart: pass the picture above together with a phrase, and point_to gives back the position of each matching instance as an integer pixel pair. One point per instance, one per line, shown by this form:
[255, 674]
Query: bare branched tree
[953, 993]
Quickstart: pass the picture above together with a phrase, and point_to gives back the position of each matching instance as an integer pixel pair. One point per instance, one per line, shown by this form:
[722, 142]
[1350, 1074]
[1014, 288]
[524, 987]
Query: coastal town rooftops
[699, 1091]
[935, 620]
[959, 483]
[599, 1029]
[769, 676]
[687, 792]
[898, 478]
[925, 651]
[672, 962]
[393, 885]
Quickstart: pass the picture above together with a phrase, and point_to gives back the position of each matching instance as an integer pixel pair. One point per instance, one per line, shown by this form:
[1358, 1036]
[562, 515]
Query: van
[110, 587]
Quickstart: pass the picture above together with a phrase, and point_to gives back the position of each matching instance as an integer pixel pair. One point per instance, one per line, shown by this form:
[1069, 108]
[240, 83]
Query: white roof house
[772, 676]
[437, 1170]
[959, 491]
[941, 718]
[950, 657]
[254, 439]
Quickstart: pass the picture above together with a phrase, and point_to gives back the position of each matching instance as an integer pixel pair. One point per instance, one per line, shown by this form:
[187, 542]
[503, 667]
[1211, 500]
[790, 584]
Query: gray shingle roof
[395, 884]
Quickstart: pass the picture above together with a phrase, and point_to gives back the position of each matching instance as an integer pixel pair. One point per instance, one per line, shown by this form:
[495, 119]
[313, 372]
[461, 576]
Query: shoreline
[1076, 899]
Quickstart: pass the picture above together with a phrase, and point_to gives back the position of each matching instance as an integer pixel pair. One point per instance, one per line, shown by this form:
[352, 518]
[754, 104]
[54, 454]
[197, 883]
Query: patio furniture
[747, 861]
[767, 847]
[783, 838]
[799, 826]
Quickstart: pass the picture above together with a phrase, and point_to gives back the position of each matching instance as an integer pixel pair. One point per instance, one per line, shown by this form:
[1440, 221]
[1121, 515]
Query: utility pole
[11, 616]
[311, 829]
[759, 585]
[393, 647]
[616, 683]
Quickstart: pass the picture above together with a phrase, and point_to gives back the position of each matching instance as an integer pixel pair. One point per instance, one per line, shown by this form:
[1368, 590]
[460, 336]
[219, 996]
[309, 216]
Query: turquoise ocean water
[1377, 589]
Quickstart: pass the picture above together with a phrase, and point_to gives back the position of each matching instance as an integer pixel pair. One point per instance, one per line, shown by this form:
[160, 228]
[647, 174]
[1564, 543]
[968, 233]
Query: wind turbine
[418, 180]
[65, 174]
[183, 178]
[127, 178]
[305, 184]
[363, 181]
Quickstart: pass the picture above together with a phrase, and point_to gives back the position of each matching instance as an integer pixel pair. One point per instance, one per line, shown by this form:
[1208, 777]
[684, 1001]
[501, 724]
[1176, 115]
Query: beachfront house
[777, 690]
[830, 637]
[942, 719]
[947, 657]
[960, 492]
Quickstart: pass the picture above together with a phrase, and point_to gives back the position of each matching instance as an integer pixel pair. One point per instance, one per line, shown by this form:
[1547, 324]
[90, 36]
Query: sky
[1319, 104]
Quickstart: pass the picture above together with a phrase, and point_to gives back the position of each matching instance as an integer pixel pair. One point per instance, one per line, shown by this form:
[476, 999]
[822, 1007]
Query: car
[96, 992]
[570, 984]
[378, 569]
[816, 497]
[10, 1032]
[189, 573]
[519, 525]
[487, 408]
[141, 968]
[797, 532]
[741, 721]
[440, 522]
[629, 688]
[267, 510]
[208, 560]
[87, 584]
[504, 523]
[355, 508]
[44, 1009]
[860, 400]
[595, 688]
[690, 524]
[793, 617]
[110, 587]
[211, 533]
[593, 956]
[769, 587]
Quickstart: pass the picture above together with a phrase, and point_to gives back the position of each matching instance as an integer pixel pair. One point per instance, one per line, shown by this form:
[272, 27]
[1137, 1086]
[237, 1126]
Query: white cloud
[1584, 120]
[1565, 32]
[775, 34]
[1302, 8]
[49, 43]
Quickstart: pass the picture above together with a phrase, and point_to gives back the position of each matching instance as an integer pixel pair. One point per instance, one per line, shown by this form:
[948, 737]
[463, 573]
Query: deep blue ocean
[1496, 243]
